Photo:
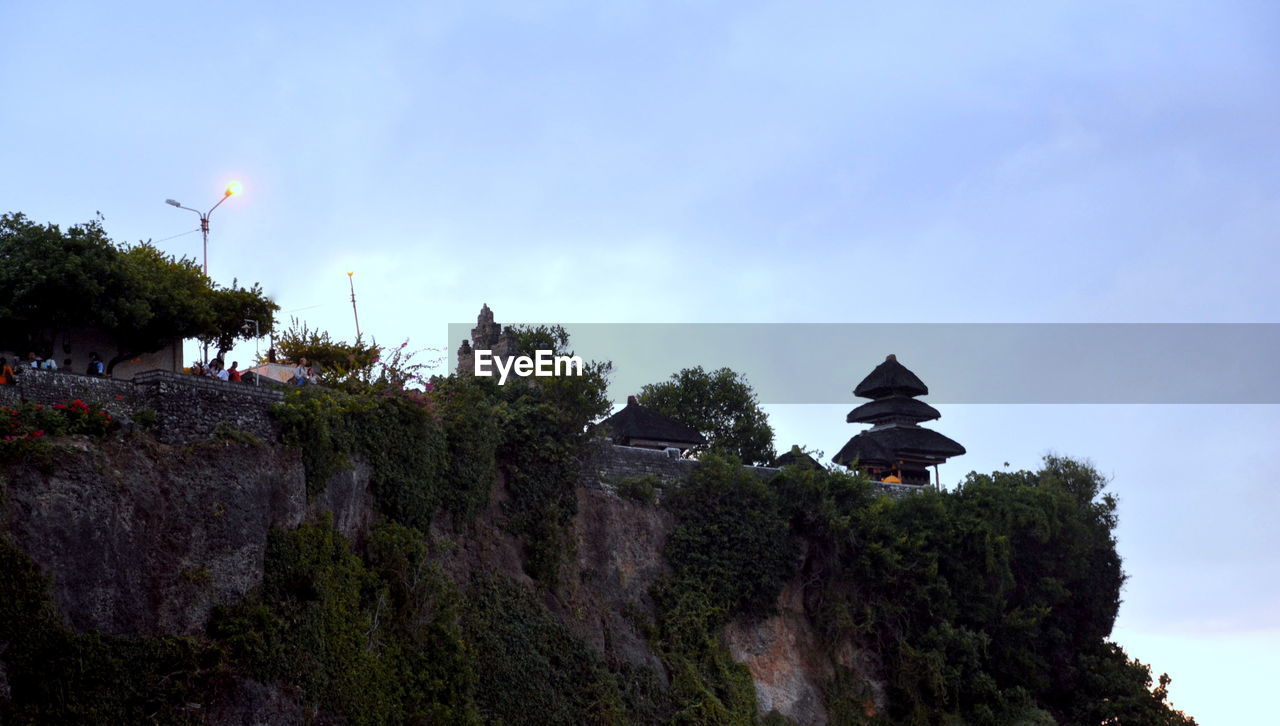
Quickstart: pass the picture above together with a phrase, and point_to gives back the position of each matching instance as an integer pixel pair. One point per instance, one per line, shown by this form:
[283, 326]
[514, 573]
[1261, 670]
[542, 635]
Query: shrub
[146, 418]
[226, 431]
[640, 488]
[469, 414]
[398, 434]
[25, 430]
[544, 441]
[375, 641]
[731, 537]
[531, 668]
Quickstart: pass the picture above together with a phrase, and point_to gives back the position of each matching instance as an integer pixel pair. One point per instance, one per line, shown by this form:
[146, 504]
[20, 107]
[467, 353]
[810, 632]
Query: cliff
[138, 537]
[471, 557]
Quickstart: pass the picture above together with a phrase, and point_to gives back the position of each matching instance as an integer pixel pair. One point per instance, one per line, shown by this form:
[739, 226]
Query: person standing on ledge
[301, 373]
[233, 373]
[6, 373]
[95, 369]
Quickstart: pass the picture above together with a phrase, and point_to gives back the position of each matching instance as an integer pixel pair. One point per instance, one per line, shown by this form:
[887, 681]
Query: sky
[734, 162]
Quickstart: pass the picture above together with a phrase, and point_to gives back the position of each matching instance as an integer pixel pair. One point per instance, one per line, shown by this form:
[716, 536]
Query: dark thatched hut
[645, 428]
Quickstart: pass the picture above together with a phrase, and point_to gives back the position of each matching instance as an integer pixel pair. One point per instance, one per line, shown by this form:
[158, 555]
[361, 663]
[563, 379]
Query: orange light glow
[234, 188]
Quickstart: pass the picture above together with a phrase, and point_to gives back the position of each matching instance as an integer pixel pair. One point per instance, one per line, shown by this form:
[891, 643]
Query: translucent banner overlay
[960, 363]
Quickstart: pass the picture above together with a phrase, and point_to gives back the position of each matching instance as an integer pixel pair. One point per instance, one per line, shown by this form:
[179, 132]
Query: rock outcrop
[143, 538]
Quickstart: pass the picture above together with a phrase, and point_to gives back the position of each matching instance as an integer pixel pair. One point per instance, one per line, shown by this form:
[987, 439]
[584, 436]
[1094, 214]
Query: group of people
[215, 369]
[305, 374]
[9, 372]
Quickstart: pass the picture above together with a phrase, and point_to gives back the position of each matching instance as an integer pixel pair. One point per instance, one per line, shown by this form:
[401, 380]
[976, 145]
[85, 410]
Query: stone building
[487, 335]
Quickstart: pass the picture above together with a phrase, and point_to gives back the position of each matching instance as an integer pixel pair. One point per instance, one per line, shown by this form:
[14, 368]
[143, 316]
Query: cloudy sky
[734, 162]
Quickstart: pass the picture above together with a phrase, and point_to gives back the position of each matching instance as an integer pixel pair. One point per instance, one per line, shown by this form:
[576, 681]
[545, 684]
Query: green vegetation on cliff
[439, 449]
[987, 606]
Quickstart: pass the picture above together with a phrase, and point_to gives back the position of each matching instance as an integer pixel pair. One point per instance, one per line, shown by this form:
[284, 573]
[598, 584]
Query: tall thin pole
[232, 189]
[354, 312]
[204, 232]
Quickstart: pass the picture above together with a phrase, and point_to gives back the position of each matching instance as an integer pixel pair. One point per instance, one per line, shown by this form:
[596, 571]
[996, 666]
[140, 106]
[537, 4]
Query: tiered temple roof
[895, 445]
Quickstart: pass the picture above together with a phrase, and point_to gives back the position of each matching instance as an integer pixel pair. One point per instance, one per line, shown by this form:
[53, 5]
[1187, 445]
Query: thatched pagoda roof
[890, 378]
[887, 445]
[893, 408]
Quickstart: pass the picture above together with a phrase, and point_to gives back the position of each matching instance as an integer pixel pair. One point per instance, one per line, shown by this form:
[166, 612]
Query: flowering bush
[29, 421]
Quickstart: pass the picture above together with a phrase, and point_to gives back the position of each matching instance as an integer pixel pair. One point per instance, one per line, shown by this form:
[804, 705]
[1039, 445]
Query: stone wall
[187, 408]
[50, 387]
[611, 463]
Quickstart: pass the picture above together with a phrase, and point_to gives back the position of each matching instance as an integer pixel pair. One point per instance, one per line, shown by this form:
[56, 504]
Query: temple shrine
[896, 449]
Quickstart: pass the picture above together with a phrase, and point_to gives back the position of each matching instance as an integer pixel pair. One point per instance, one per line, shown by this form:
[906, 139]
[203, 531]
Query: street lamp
[232, 190]
[354, 312]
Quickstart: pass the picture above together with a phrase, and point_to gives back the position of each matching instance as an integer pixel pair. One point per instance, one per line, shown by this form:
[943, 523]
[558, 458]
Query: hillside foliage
[990, 605]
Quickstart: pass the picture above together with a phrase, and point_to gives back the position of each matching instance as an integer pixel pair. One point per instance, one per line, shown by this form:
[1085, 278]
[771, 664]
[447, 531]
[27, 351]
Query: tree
[721, 406]
[336, 359]
[53, 281]
[989, 604]
[230, 309]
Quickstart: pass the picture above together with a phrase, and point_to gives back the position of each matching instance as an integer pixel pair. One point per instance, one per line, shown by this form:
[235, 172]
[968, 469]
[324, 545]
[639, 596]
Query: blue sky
[733, 162]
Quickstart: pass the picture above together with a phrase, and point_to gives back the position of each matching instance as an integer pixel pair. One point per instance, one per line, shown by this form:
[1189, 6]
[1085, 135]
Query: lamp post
[232, 190]
[354, 312]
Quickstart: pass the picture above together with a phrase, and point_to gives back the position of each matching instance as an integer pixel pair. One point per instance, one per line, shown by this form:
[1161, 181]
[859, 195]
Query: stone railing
[609, 464]
[187, 408]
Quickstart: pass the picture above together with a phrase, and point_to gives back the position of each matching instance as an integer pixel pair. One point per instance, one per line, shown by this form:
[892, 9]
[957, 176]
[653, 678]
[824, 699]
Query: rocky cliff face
[139, 537]
[143, 538]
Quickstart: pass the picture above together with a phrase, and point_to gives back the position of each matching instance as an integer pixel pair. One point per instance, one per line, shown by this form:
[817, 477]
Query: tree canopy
[991, 604]
[336, 359]
[53, 281]
[721, 406]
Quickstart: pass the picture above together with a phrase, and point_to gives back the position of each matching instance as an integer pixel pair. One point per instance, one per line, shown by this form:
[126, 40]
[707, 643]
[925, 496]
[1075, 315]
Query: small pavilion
[896, 447]
[796, 457]
[645, 428]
